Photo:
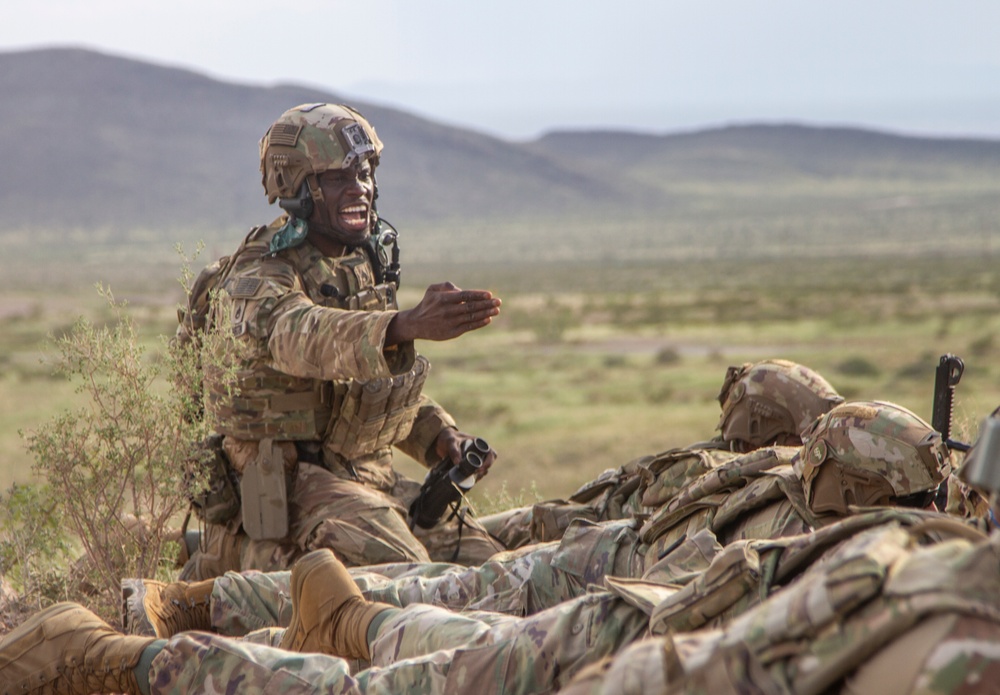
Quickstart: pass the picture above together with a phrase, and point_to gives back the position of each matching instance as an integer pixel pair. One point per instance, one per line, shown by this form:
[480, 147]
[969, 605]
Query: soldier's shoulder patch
[243, 287]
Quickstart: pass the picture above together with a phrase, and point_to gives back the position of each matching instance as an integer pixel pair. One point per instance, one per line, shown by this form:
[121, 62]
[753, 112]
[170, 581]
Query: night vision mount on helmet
[310, 139]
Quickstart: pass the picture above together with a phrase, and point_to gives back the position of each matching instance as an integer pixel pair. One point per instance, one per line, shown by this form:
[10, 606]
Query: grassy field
[592, 364]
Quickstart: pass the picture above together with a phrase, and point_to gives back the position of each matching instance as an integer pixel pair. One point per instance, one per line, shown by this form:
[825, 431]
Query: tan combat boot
[157, 609]
[67, 649]
[329, 614]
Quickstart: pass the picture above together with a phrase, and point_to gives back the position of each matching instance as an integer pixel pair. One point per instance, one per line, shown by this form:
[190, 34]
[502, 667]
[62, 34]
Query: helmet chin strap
[320, 213]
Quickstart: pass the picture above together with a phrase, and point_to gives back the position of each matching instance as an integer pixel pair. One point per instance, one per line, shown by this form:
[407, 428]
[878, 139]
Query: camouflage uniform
[316, 392]
[877, 615]
[420, 649]
[629, 491]
[311, 356]
[537, 577]
[873, 575]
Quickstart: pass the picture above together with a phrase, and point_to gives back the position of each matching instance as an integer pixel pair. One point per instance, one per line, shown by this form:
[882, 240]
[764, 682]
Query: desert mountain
[94, 141]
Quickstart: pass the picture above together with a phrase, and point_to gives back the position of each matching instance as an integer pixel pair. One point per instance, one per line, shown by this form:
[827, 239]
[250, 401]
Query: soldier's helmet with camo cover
[772, 402]
[871, 453]
[309, 139]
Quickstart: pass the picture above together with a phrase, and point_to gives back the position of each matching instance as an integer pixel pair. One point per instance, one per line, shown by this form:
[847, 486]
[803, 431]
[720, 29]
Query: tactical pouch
[219, 500]
[589, 550]
[265, 495]
[376, 414]
[732, 574]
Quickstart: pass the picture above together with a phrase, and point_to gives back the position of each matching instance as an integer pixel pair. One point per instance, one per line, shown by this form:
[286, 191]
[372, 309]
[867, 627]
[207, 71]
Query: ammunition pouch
[218, 499]
[378, 298]
[268, 404]
[376, 414]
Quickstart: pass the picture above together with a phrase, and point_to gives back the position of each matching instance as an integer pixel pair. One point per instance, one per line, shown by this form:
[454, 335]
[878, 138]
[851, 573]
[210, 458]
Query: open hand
[445, 312]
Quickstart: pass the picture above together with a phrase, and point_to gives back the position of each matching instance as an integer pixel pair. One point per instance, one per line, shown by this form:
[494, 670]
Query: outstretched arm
[445, 312]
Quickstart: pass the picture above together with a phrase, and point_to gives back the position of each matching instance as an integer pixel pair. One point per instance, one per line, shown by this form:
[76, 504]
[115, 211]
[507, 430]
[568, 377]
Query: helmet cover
[762, 401]
[312, 138]
[870, 453]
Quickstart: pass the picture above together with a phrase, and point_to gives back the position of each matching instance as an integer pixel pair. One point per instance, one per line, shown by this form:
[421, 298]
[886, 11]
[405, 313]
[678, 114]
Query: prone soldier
[856, 456]
[766, 403]
[915, 600]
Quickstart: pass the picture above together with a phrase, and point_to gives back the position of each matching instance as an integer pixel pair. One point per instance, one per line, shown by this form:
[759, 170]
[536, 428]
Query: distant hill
[92, 140]
[772, 152]
[97, 142]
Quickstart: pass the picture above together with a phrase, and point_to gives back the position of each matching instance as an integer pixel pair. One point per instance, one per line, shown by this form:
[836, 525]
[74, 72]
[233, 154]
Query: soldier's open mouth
[354, 216]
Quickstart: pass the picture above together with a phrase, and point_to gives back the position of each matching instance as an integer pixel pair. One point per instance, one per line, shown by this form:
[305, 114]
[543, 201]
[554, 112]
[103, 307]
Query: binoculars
[446, 483]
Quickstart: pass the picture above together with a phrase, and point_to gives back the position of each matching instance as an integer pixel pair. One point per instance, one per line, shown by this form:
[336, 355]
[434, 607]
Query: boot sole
[135, 621]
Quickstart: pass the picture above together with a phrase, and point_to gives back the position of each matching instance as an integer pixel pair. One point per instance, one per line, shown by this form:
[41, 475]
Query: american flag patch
[245, 287]
[284, 134]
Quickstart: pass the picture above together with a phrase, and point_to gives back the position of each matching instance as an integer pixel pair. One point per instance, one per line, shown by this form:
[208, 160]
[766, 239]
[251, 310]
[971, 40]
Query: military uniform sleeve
[311, 341]
[431, 419]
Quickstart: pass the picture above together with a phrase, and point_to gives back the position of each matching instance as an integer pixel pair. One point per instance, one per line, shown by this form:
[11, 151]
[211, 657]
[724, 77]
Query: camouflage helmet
[870, 453]
[309, 139]
[763, 401]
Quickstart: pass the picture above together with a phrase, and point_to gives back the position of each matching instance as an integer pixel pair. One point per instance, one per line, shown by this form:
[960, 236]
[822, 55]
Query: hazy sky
[519, 67]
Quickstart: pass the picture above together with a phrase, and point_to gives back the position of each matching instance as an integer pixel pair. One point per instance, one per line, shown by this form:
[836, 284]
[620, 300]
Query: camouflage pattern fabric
[509, 654]
[512, 527]
[763, 401]
[633, 490]
[877, 588]
[760, 402]
[710, 490]
[243, 602]
[247, 601]
[294, 338]
[357, 522]
[421, 649]
[360, 524]
[878, 614]
[307, 140]
[536, 577]
[313, 329]
[309, 326]
[464, 541]
[200, 662]
[892, 448]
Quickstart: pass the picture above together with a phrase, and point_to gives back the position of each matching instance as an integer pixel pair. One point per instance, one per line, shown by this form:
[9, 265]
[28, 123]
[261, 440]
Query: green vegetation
[592, 365]
[115, 467]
